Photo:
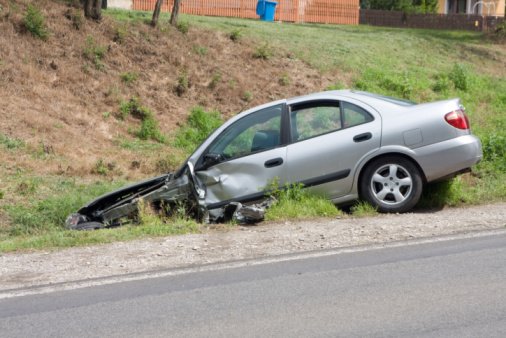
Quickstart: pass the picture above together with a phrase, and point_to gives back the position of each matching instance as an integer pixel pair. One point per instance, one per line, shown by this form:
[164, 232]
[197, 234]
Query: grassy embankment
[419, 65]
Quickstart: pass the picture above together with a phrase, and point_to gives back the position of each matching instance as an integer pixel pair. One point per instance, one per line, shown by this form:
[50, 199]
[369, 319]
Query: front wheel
[391, 184]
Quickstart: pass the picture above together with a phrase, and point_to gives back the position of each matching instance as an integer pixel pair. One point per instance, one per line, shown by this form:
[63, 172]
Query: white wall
[124, 4]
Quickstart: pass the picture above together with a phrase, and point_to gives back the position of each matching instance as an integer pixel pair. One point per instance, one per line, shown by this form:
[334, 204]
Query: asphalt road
[451, 288]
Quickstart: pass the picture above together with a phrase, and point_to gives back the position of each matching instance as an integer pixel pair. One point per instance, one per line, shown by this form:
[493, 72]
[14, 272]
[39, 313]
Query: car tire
[391, 184]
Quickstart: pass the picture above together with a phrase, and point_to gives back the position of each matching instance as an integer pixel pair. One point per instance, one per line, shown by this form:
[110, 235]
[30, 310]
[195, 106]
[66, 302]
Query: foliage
[247, 96]
[75, 16]
[449, 192]
[35, 23]
[200, 50]
[183, 26]
[494, 150]
[459, 75]
[149, 129]
[94, 52]
[235, 35]
[295, 202]
[196, 129]
[408, 6]
[363, 209]
[129, 77]
[48, 214]
[183, 83]
[263, 52]
[284, 79]
[215, 80]
[10, 142]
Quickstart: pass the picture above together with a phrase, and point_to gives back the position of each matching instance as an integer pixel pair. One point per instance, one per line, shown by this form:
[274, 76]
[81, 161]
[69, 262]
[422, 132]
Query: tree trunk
[175, 12]
[93, 9]
[156, 13]
[88, 8]
[97, 10]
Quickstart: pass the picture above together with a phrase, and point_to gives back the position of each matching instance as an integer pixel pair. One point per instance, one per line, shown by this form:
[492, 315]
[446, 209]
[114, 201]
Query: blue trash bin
[266, 9]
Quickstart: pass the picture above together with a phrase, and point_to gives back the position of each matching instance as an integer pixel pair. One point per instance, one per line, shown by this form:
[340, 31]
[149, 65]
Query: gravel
[19, 270]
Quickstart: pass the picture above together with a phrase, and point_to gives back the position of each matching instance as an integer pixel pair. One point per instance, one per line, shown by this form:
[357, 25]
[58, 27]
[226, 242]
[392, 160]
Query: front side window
[256, 132]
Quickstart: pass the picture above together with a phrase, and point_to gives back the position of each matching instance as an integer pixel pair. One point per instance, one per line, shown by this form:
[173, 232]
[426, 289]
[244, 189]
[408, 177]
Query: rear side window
[354, 115]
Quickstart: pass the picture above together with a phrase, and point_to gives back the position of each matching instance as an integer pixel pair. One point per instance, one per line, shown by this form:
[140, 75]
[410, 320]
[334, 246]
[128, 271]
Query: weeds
[215, 80]
[10, 142]
[129, 77]
[100, 168]
[34, 22]
[235, 35]
[183, 27]
[120, 34]
[263, 52]
[459, 76]
[196, 129]
[284, 79]
[363, 209]
[183, 83]
[295, 202]
[149, 129]
[200, 50]
[94, 52]
[247, 96]
[75, 17]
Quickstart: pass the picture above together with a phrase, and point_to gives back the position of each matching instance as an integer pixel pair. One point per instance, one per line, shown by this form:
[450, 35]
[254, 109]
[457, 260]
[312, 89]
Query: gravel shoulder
[18, 270]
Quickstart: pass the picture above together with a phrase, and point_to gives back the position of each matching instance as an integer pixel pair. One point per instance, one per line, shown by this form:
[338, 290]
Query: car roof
[363, 96]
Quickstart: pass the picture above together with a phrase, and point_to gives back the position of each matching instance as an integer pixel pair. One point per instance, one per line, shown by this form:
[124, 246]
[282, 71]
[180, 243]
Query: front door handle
[274, 162]
[362, 137]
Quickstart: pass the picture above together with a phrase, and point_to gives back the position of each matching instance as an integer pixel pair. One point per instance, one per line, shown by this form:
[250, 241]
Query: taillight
[458, 119]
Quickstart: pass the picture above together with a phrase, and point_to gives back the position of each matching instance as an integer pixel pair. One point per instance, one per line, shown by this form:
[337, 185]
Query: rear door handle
[362, 137]
[274, 162]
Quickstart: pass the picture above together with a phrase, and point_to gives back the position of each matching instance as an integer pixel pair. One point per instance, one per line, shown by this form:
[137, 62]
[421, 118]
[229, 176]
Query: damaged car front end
[122, 206]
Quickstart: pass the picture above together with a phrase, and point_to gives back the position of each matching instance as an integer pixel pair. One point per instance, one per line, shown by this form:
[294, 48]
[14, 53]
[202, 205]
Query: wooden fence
[315, 11]
[432, 21]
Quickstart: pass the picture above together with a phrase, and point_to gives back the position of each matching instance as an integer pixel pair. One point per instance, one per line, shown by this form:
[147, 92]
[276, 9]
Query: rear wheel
[391, 184]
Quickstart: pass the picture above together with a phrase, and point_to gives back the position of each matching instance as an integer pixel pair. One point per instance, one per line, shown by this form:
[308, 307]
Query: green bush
[183, 83]
[183, 26]
[10, 142]
[459, 76]
[196, 129]
[494, 150]
[35, 23]
[235, 35]
[263, 52]
[150, 130]
[129, 77]
[94, 52]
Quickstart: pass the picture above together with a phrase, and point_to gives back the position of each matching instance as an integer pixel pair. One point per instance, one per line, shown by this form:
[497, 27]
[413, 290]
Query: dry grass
[52, 94]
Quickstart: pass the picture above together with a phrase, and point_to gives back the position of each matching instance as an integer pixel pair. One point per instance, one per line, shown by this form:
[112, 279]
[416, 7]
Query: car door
[245, 158]
[328, 139]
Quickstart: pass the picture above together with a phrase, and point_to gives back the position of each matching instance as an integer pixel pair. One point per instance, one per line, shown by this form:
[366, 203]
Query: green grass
[38, 223]
[293, 202]
[199, 125]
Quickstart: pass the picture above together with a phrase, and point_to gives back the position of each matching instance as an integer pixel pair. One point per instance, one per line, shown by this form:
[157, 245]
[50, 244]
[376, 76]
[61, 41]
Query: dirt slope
[57, 99]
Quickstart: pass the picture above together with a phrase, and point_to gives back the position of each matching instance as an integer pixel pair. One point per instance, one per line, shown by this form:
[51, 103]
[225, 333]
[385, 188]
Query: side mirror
[211, 159]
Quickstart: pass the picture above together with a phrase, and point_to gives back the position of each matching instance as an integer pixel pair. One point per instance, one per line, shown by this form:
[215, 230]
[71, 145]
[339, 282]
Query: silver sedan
[343, 144]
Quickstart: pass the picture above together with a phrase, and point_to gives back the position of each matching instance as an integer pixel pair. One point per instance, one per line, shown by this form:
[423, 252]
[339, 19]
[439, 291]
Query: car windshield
[394, 100]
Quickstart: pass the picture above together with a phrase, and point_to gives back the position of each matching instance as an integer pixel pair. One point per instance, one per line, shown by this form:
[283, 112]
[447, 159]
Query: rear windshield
[394, 100]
